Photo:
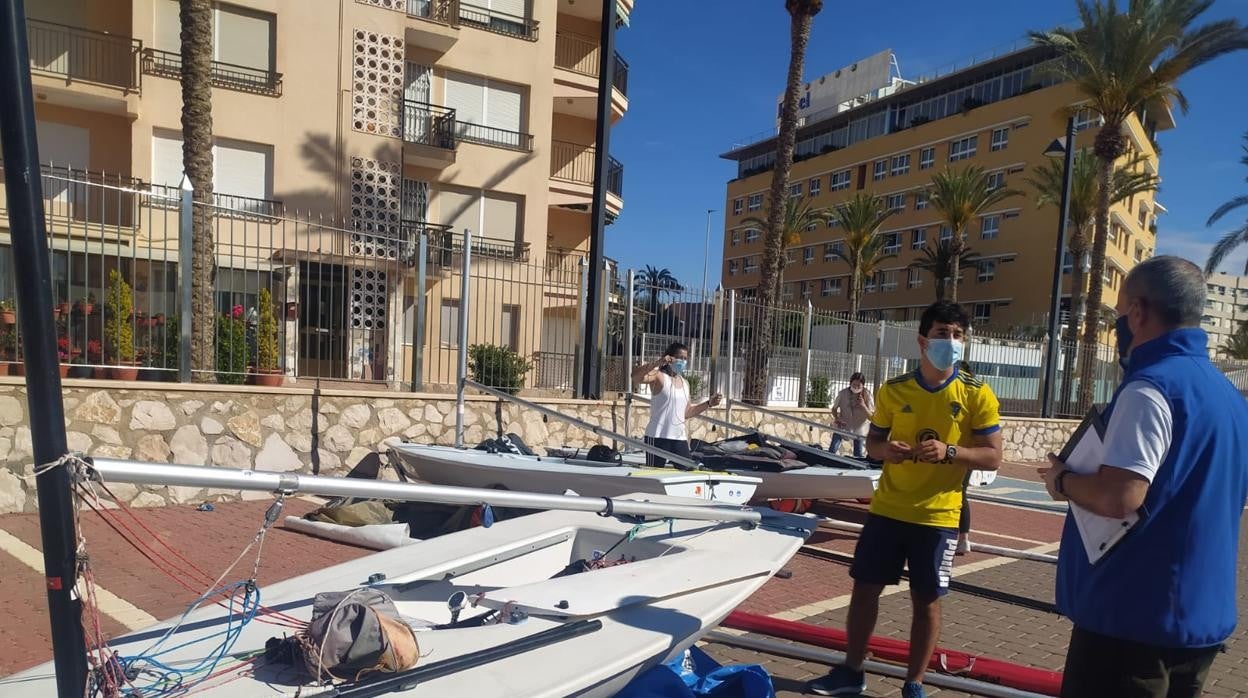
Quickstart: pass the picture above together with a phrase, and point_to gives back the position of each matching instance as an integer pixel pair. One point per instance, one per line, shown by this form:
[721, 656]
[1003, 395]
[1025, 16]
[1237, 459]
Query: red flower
[94, 348]
[238, 312]
[62, 343]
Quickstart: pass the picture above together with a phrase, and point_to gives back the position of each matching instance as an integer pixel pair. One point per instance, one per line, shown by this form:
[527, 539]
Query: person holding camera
[670, 403]
[851, 411]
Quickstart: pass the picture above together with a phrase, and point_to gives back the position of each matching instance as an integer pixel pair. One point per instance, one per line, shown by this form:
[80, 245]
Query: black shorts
[1099, 665]
[678, 446]
[887, 545]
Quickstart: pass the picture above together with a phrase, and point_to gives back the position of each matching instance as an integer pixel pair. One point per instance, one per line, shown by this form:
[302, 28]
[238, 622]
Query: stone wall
[295, 429]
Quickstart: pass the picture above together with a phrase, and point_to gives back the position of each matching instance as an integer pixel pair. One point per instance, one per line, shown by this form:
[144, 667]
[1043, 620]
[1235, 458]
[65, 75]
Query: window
[868, 284]
[900, 165]
[486, 111]
[755, 202]
[839, 181]
[795, 190]
[732, 267]
[983, 313]
[241, 37]
[895, 202]
[996, 180]
[414, 200]
[918, 238]
[1143, 215]
[787, 292]
[788, 256]
[737, 205]
[987, 270]
[805, 289]
[752, 235]
[509, 327]
[989, 227]
[927, 158]
[829, 252]
[239, 169]
[812, 227]
[808, 255]
[963, 148]
[831, 287]
[1000, 138]
[892, 243]
[920, 200]
[1068, 262]
[1114, 231]
[487, 214]
[1087, 118]
[736, 237]
[915, 278]
[449, 323]
[751, 265]
[815, 186]
[888, 280]
[946, 233]
[881, 169]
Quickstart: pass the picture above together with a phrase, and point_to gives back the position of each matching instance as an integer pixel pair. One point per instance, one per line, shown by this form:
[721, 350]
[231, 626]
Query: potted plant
[8, 351]
[232, 348]
[267, 371]
[117, 329]
[8, 312]
[62, 308]
[87, 304]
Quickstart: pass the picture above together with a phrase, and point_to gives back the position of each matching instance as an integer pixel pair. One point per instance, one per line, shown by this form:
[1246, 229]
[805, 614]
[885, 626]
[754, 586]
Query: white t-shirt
[1140, 430]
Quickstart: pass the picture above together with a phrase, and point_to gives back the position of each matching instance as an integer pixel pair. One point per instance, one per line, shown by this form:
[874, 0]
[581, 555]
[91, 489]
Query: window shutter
[244, 38]
[504, 103]
[242, 169]
[166, 159]
[502, 217]
[466, 95]
[168, 32]
[460, 210]
[515, 8]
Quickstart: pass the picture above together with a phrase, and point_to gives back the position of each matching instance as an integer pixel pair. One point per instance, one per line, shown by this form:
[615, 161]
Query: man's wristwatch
[951, 452]
[1059, 484]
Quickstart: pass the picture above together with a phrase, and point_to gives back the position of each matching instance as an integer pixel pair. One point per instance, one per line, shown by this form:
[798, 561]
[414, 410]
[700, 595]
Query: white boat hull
[683, 584]
[442, 465]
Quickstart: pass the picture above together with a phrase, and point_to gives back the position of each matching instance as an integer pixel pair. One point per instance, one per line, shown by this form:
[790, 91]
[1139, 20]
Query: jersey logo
[956, 408]
[905, 409]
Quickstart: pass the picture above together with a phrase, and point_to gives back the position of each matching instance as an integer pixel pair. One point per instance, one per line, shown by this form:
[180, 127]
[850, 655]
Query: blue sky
[704, 74]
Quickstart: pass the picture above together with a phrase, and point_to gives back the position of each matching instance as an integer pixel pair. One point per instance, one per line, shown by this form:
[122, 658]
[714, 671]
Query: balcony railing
[441, 11]
[428, 124]
[168, 64]
[86, 197]
[579, 54]
[82, 54]
[489, 135]
[445, 245]
[224, 205]
[573, 162]
[498, 22]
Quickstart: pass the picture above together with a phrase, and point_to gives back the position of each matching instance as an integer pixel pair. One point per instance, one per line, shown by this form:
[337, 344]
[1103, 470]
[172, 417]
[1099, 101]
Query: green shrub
[817, 394]
[118, 330]
[498, 367]
[266, 334]
[695, 385]
[231, 350]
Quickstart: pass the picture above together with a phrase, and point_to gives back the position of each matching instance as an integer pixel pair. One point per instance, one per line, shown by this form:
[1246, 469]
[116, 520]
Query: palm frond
[1226, 208]
[1224, 247]
[961, 195]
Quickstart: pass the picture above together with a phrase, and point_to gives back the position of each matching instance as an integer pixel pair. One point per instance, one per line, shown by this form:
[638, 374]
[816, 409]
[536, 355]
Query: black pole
[1055, 307]
[28, 231]
[591, 367]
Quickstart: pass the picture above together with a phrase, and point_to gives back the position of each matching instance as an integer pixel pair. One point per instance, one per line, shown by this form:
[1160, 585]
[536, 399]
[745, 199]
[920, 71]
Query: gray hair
[1173, 287]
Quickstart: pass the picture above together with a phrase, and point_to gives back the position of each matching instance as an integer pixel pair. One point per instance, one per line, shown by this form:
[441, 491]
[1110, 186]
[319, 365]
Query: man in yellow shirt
[930, 427]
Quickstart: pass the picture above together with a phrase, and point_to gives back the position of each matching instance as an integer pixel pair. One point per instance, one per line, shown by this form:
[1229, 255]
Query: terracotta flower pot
[124, 372]
[4, 368]
[8, 317]
[269, 379]
[64, 370]
[87, 308]
[63, 308]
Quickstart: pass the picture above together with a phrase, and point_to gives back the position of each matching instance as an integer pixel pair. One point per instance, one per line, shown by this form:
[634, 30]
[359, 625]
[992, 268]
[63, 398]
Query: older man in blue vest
[1151, 615]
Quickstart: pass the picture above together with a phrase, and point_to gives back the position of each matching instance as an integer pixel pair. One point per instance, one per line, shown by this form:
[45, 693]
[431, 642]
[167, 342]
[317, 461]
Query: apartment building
[1226, 308]
[865, 128]
[392, 119]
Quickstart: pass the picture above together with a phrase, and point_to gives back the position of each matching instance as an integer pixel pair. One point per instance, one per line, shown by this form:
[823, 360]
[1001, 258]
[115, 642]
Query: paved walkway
[816, 592]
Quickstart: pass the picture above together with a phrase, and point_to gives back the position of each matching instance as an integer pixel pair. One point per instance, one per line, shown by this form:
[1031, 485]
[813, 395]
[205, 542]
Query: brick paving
[972, 624]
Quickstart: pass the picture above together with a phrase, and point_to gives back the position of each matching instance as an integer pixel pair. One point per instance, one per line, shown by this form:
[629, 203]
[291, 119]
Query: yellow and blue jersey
[907, 410]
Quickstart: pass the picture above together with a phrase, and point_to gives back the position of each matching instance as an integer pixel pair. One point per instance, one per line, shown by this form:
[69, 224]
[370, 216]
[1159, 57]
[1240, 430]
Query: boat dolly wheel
[792, 506]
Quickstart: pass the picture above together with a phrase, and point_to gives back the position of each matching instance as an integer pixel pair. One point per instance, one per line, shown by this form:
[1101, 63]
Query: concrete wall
[289, 429]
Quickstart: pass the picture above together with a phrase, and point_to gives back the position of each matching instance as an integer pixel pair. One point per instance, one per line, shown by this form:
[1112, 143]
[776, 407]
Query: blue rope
[169, 680]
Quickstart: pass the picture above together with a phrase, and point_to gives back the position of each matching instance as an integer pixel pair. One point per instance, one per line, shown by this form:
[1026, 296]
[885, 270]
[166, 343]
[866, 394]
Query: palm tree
[1126, 181]
[1237, 345]
[960, 196]
[943, 263]
[1233, 239]
[861, 217]
[651, 287]
[798, 216]
[801, 15]
[1123, 62]
[196, 18]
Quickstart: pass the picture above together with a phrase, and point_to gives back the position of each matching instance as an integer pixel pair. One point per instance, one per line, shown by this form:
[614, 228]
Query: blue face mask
[1124, 336]
[944, 353]
[679, 366]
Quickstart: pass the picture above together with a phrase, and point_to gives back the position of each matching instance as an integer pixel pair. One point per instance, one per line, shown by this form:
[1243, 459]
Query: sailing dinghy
[498, 611]
[444, 465]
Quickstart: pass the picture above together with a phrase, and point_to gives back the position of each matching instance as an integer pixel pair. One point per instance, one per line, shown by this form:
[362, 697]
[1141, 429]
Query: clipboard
[1083, 454]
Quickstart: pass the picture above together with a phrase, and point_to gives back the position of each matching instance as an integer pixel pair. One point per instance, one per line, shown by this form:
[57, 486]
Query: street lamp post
[706, 254]
[1065, 147]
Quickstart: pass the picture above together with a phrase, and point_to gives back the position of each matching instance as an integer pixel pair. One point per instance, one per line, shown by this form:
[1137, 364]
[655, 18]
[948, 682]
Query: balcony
[497, 137]
[446, 247]
[81, 68]
[497, 22]
[440, 28]
[80, 199]
[576, 83]
[572, 178]
[168, 64]
[428, 135]
[224, 205]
